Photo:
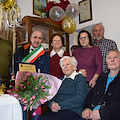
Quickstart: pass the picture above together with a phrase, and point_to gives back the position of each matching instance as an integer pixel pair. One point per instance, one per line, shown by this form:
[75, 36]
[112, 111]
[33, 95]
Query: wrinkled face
[84, 40]
[67, 67]
[98, 32]
[113, 60]
[36, 39]
[56, 42]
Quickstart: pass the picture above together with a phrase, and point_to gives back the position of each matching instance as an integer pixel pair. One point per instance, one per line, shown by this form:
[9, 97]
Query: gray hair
[98, 24]
[72, 60]
[37, 30]
[112, 51]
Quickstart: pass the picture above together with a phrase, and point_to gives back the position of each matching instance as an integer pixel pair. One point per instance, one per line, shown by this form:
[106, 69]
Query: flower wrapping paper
[53, 82]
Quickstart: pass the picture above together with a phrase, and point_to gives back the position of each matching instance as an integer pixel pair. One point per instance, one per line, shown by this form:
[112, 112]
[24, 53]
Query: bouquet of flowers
[33, 89]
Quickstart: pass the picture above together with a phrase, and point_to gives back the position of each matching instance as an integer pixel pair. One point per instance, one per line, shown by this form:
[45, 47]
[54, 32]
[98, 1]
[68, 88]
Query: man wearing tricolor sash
[33, 52]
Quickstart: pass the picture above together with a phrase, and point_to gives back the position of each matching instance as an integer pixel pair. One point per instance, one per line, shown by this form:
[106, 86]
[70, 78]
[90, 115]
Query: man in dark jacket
[103, 102]
[33, 53]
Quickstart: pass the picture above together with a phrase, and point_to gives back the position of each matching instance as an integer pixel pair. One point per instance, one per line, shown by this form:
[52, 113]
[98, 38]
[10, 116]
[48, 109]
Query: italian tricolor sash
[31, 57]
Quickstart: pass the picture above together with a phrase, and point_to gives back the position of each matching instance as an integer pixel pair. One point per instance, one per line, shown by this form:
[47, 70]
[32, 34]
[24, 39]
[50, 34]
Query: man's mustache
[37, 42]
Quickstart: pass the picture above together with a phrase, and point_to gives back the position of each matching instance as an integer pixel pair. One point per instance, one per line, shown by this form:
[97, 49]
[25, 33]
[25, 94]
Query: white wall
[26, 7]
[105, 11]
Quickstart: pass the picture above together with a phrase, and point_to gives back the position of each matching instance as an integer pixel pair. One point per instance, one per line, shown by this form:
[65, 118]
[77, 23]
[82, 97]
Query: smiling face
[67, 67]
[113, 60]
[36, 39]
[84, 40]
[56, 42]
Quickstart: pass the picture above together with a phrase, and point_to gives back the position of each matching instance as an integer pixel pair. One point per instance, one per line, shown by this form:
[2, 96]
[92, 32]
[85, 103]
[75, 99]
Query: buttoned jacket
[110, 110]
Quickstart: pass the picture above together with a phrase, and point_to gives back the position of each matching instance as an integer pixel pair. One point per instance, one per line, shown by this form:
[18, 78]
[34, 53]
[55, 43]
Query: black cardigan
[111, 110]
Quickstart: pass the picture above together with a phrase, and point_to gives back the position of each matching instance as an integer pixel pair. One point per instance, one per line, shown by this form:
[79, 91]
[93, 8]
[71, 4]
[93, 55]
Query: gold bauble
[7, 5]
[11, 3]
[2, 89]
[68, 25]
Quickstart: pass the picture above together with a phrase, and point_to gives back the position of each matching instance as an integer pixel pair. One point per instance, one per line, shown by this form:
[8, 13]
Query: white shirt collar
[31, 47]
[72, 76]
[60, 53]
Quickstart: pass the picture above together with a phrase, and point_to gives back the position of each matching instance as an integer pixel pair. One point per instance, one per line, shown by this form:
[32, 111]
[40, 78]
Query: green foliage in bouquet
[33, 91]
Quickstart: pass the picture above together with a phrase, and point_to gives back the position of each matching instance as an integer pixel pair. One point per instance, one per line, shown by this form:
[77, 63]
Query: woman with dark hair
[56, 54]
[89, 57]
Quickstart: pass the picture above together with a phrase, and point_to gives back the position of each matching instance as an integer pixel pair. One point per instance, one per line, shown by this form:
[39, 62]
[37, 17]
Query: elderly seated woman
[67, 104]
[103, 102]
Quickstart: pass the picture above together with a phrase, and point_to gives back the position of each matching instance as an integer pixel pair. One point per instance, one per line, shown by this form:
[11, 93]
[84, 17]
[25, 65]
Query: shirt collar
[60, 53]
[111, 77]
[109, 80]
[72, 76]
[31, 47]
[95, 41]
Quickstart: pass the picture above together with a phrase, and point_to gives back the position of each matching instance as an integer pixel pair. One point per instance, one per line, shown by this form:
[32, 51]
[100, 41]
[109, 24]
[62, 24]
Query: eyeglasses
[83, 38]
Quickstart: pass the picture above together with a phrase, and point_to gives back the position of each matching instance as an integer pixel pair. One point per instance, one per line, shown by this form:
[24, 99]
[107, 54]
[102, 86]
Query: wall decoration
[68, 25]
[62, 3]
[85, 11]
[72, 10]
[38, 7]
[13, 18]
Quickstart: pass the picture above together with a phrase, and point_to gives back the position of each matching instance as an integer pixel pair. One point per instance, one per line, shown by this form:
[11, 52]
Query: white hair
[72, 60]
[112, 51]
[98, 24]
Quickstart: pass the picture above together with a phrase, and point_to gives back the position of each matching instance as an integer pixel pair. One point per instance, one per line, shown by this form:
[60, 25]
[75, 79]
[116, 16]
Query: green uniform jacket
[5, 59]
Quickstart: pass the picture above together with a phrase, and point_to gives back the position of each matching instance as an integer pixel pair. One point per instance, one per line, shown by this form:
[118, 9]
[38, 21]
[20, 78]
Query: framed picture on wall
[85, 11]
[38, 7]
